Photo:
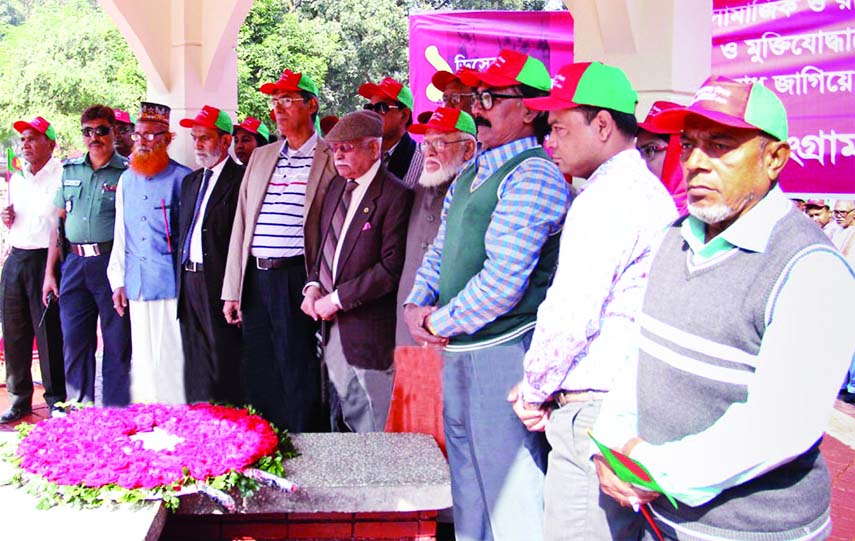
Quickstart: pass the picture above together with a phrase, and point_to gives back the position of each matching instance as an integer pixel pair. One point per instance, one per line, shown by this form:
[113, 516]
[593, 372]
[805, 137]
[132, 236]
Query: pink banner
[803, 50]
[450, 40]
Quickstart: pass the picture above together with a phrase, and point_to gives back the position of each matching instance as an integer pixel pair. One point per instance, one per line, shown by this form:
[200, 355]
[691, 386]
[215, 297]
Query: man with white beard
[209, 196]
[141, 270]
[449, 142]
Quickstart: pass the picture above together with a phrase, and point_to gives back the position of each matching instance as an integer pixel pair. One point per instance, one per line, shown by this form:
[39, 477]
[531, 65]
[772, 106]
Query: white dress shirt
[196, 233]
[32, 199]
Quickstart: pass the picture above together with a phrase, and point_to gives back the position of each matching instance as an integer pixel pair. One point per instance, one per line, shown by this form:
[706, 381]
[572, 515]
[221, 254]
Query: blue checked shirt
[533, 200]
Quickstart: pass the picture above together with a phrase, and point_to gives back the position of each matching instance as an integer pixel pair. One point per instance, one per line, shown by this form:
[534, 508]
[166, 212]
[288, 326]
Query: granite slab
[351, 473]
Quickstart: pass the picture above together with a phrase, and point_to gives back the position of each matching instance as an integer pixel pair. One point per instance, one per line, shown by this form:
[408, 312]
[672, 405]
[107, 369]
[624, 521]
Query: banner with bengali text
[803, 50]
[453, 39]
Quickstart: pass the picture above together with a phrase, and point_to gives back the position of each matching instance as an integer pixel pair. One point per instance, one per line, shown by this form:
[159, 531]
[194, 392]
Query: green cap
[588, 83]
[210, 117]
[510, 69]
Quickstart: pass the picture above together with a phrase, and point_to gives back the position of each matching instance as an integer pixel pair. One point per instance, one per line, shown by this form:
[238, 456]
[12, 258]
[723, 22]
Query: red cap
[209, 117]
[123, 116]
[816, 203]
[327, 123]
[441, 79]
[39, 124]
[292, 82]
[655, 109]
[511, 68]
[387, 88]
[446, 119]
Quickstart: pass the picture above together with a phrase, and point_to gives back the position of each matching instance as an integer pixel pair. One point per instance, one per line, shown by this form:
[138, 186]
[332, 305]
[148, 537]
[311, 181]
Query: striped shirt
[279, 228]
[533, 200]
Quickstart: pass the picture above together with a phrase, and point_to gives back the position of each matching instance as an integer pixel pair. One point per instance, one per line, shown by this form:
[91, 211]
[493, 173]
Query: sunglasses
[487, 99]
[124, 129]
[100, 131]
[650, 150]
[344, 147]
[136, 136]
[381, 107]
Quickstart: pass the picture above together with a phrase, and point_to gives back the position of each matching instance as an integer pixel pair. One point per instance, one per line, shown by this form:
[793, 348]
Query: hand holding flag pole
[633, 472]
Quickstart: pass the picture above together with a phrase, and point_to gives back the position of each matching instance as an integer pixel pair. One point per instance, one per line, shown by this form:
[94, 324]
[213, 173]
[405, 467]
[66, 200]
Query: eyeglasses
[98, 130]
[486, 98]
[284, 101]
[650, 150]
[455, 99]
[438, 145]
[124, 129]
[842, 213]
[344, 147]
[136, 136]
[381, 107]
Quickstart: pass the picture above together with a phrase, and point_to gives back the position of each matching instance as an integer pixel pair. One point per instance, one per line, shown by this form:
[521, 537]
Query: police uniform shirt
[89, 198]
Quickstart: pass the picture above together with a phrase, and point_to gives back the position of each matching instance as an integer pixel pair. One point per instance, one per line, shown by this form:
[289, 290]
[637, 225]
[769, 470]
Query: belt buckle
[258, 264]
[90, 250]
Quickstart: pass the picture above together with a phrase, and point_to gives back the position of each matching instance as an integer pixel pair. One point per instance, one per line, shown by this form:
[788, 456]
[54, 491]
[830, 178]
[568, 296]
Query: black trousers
[22, 309]
[281, 370]
[212, 347]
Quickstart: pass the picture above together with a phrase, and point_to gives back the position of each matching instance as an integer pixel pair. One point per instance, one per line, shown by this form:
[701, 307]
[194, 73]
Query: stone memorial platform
[351, 486]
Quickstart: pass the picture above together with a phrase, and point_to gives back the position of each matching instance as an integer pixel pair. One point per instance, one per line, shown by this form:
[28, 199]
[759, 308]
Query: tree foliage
[53, 68]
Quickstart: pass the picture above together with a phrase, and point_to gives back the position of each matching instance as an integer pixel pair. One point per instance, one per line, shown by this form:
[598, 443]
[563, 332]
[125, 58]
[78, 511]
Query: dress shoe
[847, 397]
[57, 411]
[13, 414]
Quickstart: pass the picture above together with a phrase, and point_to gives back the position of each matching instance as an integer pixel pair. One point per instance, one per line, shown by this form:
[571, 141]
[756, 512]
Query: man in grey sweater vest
[727, 404]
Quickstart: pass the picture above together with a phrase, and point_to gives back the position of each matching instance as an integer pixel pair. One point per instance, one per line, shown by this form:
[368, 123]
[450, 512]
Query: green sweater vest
[464, 252]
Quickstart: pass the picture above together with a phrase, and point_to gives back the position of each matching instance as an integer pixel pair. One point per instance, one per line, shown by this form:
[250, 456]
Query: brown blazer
[369, 268]
[251, 196]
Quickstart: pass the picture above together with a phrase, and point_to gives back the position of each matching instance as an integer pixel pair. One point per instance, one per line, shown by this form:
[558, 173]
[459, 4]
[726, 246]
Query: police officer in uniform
[86, 201]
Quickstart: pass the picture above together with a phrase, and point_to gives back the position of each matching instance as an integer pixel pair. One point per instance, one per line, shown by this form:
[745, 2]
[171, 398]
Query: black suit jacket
[399, 161]
[216, 227]
[369, 267]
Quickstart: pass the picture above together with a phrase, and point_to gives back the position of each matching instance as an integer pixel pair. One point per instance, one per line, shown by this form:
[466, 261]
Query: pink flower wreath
[95, 447]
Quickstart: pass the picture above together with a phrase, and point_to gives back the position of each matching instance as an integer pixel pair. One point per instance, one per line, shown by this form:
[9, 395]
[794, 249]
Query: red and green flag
[13, 163]
[630, 471]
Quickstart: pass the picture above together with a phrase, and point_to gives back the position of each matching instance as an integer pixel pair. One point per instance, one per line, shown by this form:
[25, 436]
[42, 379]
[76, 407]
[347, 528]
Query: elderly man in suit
[207, 212]
[354, 280]
[275, 232]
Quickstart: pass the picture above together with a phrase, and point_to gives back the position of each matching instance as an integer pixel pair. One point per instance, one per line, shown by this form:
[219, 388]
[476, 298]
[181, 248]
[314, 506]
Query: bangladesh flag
[13, 163]
[630, 471]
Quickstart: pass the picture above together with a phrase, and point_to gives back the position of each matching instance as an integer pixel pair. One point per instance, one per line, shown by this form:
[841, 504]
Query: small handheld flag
[629, 470]
[13, 163]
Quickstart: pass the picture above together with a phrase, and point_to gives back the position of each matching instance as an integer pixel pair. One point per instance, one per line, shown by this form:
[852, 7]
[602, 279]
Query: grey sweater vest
[725, 301]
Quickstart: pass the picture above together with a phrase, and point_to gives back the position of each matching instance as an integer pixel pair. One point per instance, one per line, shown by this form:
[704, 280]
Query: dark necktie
[206, 176]
[333, 234]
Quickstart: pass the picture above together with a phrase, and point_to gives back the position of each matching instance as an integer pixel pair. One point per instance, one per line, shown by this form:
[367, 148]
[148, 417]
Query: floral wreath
[95, 456]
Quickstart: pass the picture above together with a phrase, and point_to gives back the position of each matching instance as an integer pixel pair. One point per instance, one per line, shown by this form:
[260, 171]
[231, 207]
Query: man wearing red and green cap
[476, 294]
[586, 331]
[248, 135]
[212, 347]
[142, 264]
[455, 94]
[30, 217]
[448, 144]
[123, 143]
[729, 326]
[394, 102]
[276, 231]
[662, 151]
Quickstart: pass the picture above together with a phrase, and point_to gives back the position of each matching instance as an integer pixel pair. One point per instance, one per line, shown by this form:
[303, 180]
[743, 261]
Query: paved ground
[838, 447]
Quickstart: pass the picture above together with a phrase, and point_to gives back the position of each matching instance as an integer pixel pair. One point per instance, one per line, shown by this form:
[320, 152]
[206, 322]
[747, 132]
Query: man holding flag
[731, 393]
[30, 217]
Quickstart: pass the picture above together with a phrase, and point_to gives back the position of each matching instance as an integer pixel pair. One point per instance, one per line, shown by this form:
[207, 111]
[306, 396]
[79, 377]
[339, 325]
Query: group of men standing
[672, 339]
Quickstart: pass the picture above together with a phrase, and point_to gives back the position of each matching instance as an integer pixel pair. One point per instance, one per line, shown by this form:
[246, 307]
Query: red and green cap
[588, 83]
[254, 125]
[389, 89]
[509, 69]
[655, 109]
[39, 124]
[291, 81]
[731, 103]
[210, 117]
[124, 117]
[446, 119]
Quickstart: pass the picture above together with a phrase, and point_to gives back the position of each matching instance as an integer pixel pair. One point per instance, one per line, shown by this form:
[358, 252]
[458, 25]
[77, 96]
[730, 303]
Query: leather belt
[562, 398]
[192, 266]
[91, 250]
[262, 263]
